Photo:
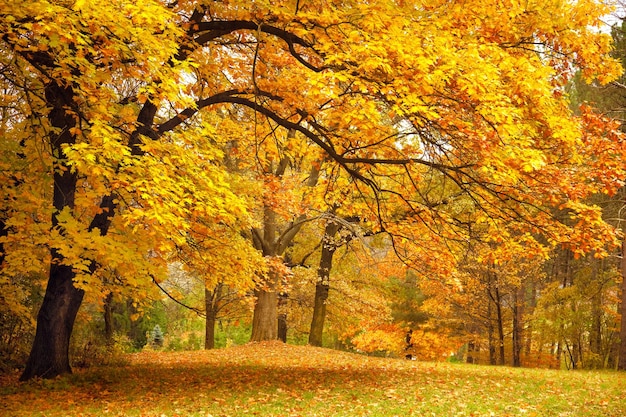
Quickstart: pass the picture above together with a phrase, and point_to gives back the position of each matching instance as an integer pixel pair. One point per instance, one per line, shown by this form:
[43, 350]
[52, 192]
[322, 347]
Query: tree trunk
[49, 356]
[500, 319]
[595, 342]
[4, 232]
[282, 327]
[323, 284]
[265, 319]
[273, 242]
[532, 303]
[209, 331]
[212, 300]
[319, 313]
[108, 319]
[211, 303]
[517, 330]
[490, 335]
[622, 333]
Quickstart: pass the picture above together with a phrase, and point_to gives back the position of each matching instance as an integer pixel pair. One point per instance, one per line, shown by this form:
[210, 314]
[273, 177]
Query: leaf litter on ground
[275, 379]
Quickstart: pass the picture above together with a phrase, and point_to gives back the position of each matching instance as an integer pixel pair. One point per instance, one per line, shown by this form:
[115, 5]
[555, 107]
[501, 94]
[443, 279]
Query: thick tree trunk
[319, 313]
[273, 242]
[49, 356]
[323, 284]
[622, 333]
[265, 319]
[209, 333]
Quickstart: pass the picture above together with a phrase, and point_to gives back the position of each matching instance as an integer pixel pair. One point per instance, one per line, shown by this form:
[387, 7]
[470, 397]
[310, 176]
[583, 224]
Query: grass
[273, 379]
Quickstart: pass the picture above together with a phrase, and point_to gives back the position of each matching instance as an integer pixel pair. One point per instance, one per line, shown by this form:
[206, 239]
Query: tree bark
[49, 356]
[490, 335]
[319, 313]
[212, 307]
[265, 318]
[209, 333]
[323, 283]
[282, 327]
[494, 295]
[595, 338]
[517, 329]
[498, 302]
[622, 333]
[4, 232]
[532, 303]
[108, 319]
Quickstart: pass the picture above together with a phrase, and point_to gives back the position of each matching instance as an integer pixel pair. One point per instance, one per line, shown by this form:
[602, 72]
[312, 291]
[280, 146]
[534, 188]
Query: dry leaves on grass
[274, 379]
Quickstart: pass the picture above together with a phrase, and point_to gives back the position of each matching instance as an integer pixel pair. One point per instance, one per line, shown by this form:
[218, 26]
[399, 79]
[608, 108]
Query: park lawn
[273, 379]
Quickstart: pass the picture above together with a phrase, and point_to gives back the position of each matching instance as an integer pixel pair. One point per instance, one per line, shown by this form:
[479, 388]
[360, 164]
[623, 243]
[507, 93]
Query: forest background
[179, 175]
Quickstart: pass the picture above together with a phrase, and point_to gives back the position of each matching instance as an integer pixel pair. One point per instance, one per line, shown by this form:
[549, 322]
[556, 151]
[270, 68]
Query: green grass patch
[273, 379]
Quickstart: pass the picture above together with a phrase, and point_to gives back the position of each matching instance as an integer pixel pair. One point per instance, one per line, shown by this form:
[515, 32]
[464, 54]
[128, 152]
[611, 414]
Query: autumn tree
[609, 99]
[116, 96]
[96, 154]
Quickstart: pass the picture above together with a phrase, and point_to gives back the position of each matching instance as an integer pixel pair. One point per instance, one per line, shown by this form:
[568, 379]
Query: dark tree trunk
[622, 333]
[494, 295]
[319, 313]
[323, 284]
[500, 319]
[209, 333]
[490, 335]
[4, 232]
[212, 307]
[517, 330]
[49, 356]
[282, 327]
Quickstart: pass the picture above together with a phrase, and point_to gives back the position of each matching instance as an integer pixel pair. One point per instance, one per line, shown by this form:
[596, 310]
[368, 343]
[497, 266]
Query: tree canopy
[433, 121]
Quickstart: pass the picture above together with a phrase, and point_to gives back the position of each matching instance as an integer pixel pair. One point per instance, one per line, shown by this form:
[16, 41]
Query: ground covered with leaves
[273, 379]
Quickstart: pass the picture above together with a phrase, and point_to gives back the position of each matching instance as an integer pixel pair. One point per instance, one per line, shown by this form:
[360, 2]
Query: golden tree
[111, 93]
